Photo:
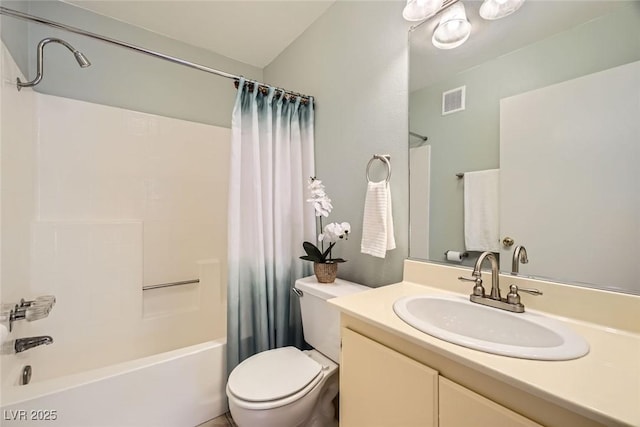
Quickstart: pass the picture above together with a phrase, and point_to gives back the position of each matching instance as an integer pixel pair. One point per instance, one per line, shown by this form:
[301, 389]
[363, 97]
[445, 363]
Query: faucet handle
[478, 289]
[514, 298]
[530, 291]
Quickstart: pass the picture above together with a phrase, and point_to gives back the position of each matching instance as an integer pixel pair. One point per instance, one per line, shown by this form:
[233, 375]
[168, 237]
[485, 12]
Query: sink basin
[459, 321]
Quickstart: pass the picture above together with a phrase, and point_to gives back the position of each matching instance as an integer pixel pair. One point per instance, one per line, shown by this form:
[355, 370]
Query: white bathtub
[182, 388]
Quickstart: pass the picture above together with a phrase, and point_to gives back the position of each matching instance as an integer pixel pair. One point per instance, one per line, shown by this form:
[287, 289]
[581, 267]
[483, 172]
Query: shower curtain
[271, 162]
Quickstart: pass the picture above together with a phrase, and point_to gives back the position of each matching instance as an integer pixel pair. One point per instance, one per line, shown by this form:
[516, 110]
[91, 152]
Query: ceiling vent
[453, 100]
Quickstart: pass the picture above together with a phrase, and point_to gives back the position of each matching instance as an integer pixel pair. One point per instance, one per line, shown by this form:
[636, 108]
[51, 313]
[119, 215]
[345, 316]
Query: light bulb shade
[419, 10]
[496, 9]
[453, 29]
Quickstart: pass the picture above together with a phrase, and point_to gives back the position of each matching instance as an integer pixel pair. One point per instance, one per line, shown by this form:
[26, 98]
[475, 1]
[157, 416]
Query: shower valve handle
[32, 314]
[35, 309]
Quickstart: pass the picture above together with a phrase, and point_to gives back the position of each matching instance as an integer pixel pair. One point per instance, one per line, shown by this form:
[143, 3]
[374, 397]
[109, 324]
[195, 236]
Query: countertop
[603, 385]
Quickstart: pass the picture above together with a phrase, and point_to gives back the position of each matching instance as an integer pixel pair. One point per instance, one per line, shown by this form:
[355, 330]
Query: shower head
[82, 60]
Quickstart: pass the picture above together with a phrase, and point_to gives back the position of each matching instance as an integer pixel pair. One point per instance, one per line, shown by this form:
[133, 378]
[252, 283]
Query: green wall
[354, 59]
[469, 140]
[119, 77]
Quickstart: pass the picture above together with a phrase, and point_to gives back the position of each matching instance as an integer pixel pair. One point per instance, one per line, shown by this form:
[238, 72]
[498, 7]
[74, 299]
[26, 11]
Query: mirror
[551, 99]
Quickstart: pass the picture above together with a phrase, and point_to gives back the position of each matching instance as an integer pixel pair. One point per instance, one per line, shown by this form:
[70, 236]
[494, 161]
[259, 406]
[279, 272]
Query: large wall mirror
[552, 101]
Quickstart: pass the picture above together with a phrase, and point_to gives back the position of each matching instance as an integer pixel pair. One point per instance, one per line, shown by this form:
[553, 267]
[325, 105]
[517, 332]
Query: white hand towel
[377, 223]
[482, 210]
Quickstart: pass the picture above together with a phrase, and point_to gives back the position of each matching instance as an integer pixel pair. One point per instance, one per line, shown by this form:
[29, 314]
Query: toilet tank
[320, 320]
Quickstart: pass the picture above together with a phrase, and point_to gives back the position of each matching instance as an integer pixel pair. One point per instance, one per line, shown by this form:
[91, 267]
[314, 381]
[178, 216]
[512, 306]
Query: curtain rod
[27, 17]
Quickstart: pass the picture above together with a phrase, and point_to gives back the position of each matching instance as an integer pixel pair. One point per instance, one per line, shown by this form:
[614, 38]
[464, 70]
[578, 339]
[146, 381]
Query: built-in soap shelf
[28, 310]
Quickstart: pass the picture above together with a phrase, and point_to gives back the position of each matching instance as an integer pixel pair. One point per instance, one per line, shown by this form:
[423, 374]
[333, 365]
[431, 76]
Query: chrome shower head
[83, 62]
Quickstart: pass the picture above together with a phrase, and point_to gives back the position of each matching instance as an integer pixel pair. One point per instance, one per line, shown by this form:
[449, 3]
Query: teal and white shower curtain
[271, 162]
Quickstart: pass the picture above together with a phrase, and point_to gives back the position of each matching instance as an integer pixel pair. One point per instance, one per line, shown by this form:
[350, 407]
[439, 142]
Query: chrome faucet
[519, 256]
[23, 344]
[495, 272]
[512, 302]
[478, 289]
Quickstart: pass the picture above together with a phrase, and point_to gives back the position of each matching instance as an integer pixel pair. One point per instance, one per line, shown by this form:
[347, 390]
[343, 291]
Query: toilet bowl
[287, 387]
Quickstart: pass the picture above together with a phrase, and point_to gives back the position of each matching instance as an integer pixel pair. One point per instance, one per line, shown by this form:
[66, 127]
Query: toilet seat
[274, 378]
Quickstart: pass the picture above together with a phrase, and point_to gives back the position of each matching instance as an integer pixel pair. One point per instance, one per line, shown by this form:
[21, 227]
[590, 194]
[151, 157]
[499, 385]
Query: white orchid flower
[332, 232]
[315, 183]
[321, 203]
[336, 231]
[317, 192]
[346, 227]
[322, 207]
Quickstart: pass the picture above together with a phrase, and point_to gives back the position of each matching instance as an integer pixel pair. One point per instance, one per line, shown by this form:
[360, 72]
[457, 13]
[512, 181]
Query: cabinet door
[380, 387]
[460, 407]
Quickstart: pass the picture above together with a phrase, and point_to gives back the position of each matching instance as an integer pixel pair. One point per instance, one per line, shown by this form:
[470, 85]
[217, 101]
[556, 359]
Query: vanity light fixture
[454, 28]
[419, 10]
[496, 9]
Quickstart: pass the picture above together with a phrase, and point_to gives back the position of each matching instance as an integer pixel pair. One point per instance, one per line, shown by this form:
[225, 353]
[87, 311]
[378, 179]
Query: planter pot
[325, 273]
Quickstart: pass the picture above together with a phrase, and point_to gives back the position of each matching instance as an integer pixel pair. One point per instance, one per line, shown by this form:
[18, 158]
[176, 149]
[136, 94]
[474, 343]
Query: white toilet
[286, 387]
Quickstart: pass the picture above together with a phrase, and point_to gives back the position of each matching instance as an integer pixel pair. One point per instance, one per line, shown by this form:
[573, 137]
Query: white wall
[97, 202]
[354, 60]
[17, 179]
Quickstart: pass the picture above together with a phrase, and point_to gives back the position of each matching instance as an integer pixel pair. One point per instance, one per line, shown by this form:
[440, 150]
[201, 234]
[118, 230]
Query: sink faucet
[23, 344]
[477, 272]
[519, 256]
[478, 289]
[512, 302]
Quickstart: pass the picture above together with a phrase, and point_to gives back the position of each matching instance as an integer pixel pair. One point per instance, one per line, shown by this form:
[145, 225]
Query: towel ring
[386, 158]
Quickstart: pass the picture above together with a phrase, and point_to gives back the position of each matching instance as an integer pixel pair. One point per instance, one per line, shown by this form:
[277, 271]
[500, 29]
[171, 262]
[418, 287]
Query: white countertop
[603, 385]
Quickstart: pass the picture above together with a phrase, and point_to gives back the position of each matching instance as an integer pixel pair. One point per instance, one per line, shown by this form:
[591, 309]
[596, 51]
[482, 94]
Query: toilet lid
[273, 374]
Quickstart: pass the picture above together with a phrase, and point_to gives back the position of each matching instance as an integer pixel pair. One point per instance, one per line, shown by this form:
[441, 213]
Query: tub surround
[601, 388]
[92, 216]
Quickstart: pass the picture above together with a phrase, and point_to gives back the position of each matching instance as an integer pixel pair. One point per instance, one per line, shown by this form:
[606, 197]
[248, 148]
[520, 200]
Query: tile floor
[223, 420]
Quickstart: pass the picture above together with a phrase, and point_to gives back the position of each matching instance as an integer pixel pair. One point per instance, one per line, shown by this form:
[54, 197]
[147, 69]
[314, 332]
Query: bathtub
[182, 388]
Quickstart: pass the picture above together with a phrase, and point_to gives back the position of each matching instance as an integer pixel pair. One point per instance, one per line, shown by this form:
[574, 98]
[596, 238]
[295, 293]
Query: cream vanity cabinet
[381, 387]
[458, 406]
[386, 381]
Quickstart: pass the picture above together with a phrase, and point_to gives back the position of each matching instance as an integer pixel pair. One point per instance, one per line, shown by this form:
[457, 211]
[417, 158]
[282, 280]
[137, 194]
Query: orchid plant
[331, 233]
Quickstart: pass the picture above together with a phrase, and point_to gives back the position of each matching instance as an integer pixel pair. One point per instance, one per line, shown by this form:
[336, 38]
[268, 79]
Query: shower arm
[82, 60]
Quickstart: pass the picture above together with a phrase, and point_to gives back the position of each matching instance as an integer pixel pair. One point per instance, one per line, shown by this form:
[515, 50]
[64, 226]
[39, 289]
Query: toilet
[287, 387]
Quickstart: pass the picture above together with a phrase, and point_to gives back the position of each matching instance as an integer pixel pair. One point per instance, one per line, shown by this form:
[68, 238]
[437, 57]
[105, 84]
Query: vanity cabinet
[460, 407]
[382, 387]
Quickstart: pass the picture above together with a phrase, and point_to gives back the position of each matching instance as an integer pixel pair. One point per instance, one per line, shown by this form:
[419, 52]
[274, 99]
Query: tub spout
[23, 344]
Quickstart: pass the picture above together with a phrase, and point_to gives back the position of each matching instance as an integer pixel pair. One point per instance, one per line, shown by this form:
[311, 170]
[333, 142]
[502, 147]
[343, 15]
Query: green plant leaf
[313, 253]
[336, 260]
